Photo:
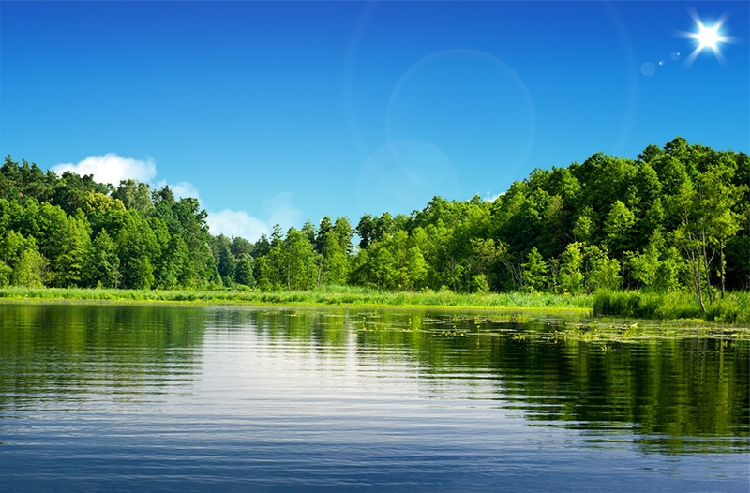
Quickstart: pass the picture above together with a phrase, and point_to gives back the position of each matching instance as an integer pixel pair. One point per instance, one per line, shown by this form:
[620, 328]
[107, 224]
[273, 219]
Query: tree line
[674, 218]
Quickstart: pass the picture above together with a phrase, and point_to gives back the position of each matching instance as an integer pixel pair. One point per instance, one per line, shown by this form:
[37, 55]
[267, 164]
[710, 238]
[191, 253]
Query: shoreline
[633, 305]
[612, 328]
[190, 298]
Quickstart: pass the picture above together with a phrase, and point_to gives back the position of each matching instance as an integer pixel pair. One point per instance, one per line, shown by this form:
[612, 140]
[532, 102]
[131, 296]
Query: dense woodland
[672, 219]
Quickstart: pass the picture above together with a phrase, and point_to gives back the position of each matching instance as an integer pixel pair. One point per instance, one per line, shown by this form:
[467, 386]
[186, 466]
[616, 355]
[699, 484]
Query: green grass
[733, 308]
[330, 295]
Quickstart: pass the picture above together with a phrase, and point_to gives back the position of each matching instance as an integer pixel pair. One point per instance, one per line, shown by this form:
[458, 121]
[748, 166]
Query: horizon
[359, 108]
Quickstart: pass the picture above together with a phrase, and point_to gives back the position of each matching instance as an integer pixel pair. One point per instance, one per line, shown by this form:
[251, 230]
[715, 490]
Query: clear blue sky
[292, 111]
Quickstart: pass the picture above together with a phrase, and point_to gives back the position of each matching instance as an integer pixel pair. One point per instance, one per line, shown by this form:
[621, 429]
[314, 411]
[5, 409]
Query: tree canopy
[674, 218]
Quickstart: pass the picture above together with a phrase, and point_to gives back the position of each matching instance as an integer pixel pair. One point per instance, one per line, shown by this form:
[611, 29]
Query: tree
[334, 261]
[344, 230]
[30, 268]
[135, 196]
[137, 248]
[102, 264]
[69, 265]
[601, 272]
[226, 262]
[674, 217]
[619, 227]
[687, 235]
[271, 266]
[570, 279]
[535, 271]
[584, 229]
[300, 261]
[375, 267]
[243, 273]
[645, 265]
[417, 269]
[479, 284]
[718, 220]
[22, 264]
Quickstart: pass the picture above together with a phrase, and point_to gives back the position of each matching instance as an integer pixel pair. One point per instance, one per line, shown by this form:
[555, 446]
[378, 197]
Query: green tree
[137, 249]
[21, 263]
[102, 264]
[570, 279]
[718, 221]
[29, 271]
[136, 196]
[535, 271]
[417, 269]
[334, 261]
[300, 261]
[479, 284]
[619, 227]
[243, 273]
[601, 272]
[585, 226]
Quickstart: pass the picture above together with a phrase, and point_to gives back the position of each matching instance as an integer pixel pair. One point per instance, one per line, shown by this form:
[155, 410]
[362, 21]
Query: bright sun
[708, 37]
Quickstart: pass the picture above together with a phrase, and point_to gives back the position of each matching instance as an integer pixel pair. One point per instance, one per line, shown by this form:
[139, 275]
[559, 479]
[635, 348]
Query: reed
[327, 295]
[733, 308]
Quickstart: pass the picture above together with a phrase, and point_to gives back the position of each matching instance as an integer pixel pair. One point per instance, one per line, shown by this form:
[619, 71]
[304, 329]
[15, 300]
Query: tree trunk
[723, 270]
[696, 278]
[706, 266]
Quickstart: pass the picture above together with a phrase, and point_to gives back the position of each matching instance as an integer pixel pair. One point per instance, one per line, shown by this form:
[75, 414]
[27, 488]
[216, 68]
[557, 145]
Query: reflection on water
[167, 398]
[72, 354]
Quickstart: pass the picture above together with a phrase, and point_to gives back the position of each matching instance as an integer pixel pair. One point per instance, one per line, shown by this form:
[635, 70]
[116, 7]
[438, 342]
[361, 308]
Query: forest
[673, 219]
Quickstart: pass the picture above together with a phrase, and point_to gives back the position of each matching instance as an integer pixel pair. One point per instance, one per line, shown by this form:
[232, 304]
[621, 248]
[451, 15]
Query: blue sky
[284, 112]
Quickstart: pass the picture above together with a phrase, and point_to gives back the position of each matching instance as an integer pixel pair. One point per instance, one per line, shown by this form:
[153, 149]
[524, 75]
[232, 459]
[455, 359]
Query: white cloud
[181, 189]
[185, 189]
[280, 210]
[236, 223]
[492, 198]
[112, 168]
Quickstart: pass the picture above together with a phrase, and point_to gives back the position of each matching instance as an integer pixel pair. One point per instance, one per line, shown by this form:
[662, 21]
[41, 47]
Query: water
[165, 398]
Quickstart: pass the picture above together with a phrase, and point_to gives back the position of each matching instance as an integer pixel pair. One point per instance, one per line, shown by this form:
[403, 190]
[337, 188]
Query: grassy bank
[733, 308]
[324, 296]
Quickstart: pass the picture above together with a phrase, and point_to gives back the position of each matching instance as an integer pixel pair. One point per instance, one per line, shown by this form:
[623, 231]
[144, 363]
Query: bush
[734, 308]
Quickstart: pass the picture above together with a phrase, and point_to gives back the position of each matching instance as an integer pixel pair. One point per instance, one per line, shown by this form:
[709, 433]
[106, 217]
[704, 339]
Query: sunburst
[708, 37]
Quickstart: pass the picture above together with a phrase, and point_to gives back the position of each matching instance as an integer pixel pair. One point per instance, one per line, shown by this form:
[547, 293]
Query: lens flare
[708, 37]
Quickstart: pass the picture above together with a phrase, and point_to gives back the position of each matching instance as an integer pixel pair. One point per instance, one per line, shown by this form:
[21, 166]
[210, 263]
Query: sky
[283, 112]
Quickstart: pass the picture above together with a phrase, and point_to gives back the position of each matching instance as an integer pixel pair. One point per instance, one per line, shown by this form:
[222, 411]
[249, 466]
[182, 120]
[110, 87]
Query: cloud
[185, 189]
[181, 189]
[492, 198]
[280, 210]
[236, 223]
[112, 168]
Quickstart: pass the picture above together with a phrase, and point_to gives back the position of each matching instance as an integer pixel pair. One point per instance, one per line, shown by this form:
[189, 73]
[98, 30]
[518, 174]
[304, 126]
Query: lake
[182, 398]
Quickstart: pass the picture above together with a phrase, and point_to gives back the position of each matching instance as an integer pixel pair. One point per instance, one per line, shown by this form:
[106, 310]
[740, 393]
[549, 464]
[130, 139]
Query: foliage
[326, 295]
[733, 308]
[672, 222]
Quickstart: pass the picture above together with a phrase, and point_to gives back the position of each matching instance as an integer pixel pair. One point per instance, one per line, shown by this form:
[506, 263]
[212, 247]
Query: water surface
[169, 398]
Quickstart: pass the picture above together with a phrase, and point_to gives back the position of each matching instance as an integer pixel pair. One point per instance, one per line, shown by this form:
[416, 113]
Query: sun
[708, 37]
